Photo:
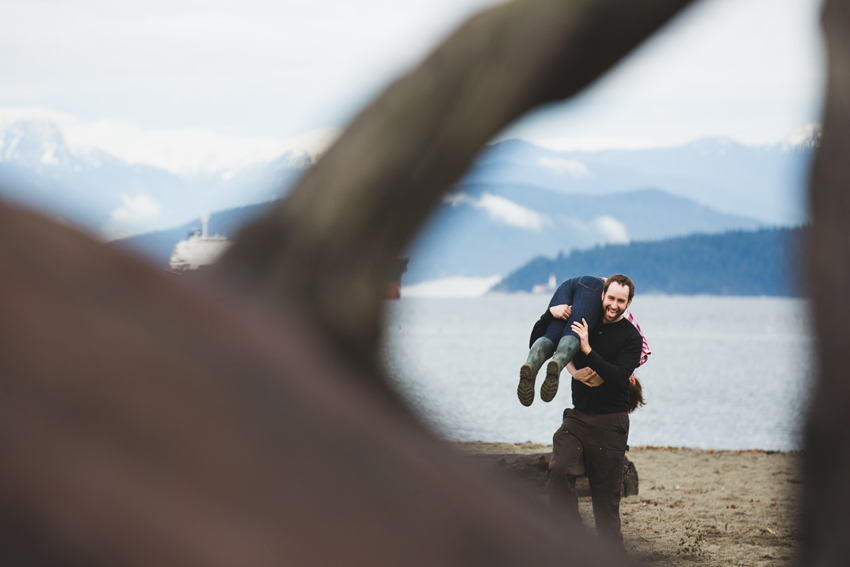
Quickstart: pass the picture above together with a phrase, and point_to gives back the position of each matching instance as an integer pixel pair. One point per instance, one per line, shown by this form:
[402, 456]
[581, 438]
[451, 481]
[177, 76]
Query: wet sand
[702, 507]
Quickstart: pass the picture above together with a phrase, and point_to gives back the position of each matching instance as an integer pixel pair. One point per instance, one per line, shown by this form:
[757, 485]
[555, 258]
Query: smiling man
[593, 437]
[577, 299]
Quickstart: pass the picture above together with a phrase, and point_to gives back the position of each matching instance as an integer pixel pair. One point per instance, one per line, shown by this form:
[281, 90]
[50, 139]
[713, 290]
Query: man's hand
[584, 374]
[588, 376]
[561, 311]
[582, 330]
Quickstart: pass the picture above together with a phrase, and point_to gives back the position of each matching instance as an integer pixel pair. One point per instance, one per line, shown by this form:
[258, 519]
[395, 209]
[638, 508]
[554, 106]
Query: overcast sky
[187, 83]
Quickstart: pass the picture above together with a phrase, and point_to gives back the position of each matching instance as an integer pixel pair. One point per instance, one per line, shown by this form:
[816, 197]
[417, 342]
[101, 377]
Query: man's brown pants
[595, 445]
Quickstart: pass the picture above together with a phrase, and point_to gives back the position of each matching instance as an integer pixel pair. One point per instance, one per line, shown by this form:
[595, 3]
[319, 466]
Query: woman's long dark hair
[635, 394]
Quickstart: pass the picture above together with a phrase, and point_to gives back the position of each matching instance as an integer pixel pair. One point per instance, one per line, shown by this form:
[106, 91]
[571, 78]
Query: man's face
[615, 301]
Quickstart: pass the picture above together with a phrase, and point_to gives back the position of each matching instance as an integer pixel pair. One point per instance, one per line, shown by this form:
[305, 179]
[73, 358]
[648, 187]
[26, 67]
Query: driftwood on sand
[531, 469]
[147, 421]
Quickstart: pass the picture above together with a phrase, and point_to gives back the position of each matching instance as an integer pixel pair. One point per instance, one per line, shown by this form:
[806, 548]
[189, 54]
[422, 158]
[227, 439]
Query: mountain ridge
[517, 201]
[766, 182]
[471, 233]
[761, 262]
[115, 199]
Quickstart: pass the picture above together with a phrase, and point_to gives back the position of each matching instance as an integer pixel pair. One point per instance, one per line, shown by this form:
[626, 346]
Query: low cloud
[458, 199]
[612, 230]
[560, 166]
[138, 214]
[600, 230]
[507, 212]
[502, 210]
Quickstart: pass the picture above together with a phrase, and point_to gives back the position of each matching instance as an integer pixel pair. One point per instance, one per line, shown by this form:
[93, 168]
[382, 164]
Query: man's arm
[624, 363]
[619, 371]
[586, 375]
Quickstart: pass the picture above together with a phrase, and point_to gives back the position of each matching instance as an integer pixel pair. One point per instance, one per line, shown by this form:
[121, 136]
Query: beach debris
[631, 483]
[690, 545]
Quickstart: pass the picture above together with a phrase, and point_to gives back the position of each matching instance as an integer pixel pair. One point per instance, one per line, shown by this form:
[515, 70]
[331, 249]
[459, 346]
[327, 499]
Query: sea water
[725, 372]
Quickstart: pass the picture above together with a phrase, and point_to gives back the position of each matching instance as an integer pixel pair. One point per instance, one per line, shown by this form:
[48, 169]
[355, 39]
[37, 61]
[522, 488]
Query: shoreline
[701, 506]
[533, 447]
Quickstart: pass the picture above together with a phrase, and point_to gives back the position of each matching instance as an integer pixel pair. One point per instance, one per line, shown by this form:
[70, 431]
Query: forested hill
[762, 262]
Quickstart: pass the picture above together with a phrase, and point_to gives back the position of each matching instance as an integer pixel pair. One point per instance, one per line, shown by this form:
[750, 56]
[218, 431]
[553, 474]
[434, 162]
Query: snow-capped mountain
[34, 144]
[518, 201]
[765, 183]
[113, 198]
[41, 145]
[806, 138]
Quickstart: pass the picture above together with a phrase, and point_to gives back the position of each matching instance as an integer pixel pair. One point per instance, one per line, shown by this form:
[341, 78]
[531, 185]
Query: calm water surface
[725, 372]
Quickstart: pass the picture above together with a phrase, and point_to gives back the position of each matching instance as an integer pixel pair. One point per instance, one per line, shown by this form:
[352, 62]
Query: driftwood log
[150, 421]
[531, 469]
[144, 421]
[826, 521]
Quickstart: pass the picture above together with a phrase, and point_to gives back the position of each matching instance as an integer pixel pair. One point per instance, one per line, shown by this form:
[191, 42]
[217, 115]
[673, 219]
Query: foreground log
[144, 422]
[532, 469]
[147, 422]
[826, 522]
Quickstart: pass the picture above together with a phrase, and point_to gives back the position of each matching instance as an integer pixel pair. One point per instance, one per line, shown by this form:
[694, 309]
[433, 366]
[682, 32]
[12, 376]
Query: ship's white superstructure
[199, 249]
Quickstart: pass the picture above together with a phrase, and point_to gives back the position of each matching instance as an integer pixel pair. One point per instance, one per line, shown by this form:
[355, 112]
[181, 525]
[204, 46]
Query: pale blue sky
[752, 70]
[120, 75]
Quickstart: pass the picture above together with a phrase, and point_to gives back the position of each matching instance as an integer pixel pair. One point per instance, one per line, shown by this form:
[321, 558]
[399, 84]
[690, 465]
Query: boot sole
[525, 390]
[550, 386]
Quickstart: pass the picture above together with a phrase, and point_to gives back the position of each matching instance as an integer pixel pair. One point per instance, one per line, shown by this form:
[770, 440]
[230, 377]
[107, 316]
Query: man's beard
[618, 313]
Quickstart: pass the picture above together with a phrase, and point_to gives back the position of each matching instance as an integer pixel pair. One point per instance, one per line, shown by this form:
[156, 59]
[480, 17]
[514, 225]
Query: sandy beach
[702, 507]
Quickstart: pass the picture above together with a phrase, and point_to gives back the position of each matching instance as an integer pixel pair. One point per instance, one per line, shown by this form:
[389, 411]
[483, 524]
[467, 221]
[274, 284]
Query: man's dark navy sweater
[614, 355]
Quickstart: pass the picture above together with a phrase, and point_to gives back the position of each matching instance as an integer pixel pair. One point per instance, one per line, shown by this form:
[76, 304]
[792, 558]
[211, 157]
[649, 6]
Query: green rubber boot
[567, 348]
[540, 351]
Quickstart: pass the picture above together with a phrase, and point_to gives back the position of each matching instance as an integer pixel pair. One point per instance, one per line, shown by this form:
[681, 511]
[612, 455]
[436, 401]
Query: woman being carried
[575, 299]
